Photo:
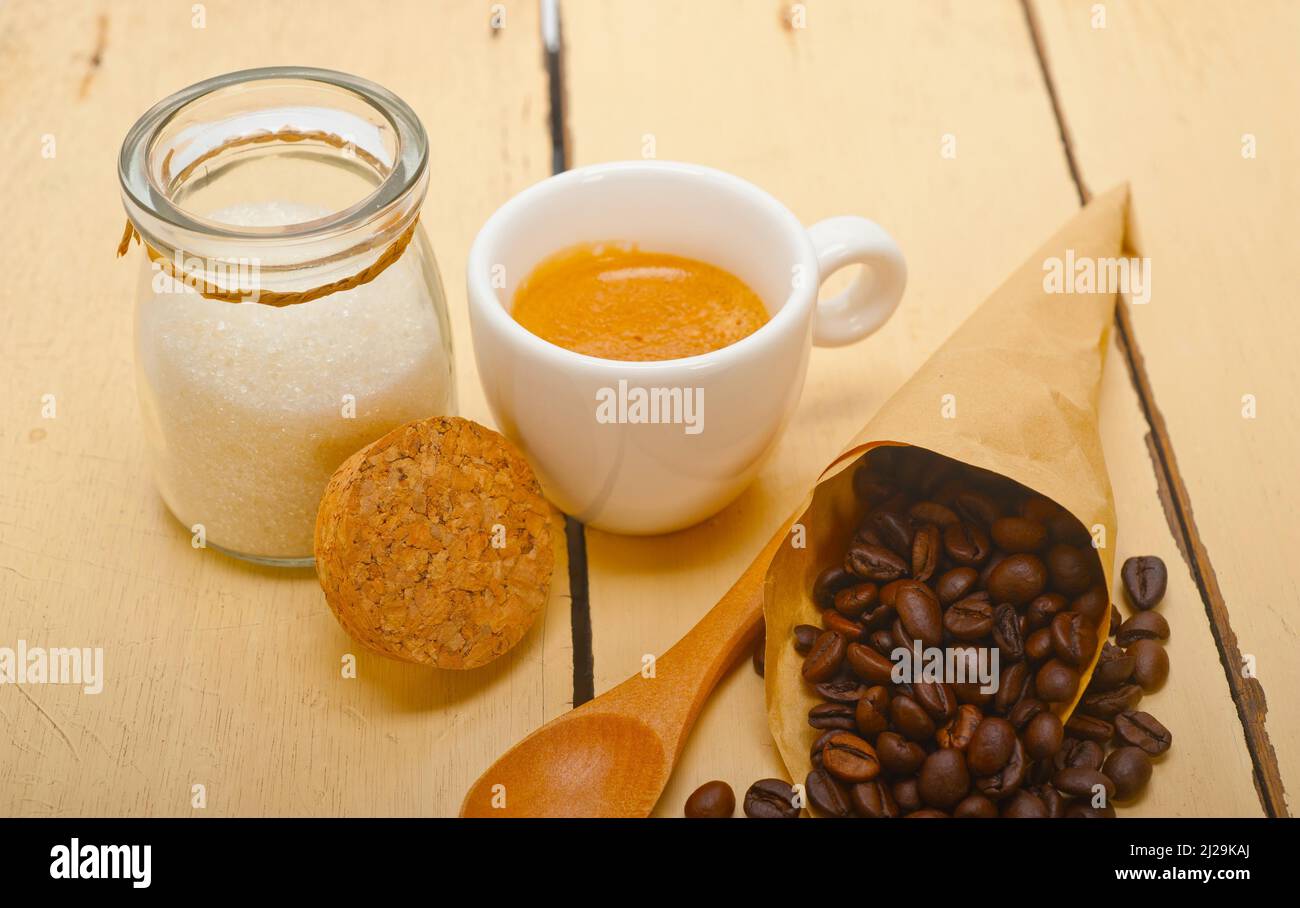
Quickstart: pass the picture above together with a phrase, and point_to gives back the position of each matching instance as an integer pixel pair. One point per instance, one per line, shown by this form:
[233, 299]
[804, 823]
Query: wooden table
[228, 677]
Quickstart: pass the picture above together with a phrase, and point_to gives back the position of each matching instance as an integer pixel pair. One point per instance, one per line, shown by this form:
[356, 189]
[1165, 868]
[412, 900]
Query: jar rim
[411, 157]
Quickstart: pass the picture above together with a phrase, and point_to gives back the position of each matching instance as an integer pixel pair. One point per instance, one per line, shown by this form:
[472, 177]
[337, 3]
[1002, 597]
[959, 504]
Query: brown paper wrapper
[1014, 390]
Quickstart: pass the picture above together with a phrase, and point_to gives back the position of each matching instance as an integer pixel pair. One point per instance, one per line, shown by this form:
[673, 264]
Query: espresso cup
[651, 447]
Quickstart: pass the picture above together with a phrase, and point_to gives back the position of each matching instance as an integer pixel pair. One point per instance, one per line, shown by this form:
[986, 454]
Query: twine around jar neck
[212, 291]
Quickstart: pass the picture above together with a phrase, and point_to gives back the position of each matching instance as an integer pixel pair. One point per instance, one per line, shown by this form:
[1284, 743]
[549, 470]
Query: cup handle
[874, 294]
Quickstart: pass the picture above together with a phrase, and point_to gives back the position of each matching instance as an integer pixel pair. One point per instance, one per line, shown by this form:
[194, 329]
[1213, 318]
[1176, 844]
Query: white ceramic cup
[719, 414]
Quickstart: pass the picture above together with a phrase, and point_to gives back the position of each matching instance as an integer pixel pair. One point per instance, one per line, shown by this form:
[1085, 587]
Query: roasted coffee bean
[933, 512]
[1107, 704]
[825, 658]
[1071, 569]
[713, 800]
[1007, 634]
[871, 713]
[1114, 668]
[1024, 805]
[937, 699]
[770, 799]
[907, 795]
[1150, 664]
[894, 530]
[825, 793]
[966, 543]
[918, 610]
[911, 719]
[1057, 682]
[1007, 780]
[804, 637]
[996, 558]
[976, 807]
[1024, 711]
[847, 628]
[759, 654]
[1076, 754]
[889, 591]
[829, 582]
[1082, 783]
[1043, 609]
[1085, 810]
[1130, 769]
[897, 755]
[1145, 578]
[867, 664]
[944, 779]
[1039, 508]
[900, 633]
[852, 601]
[958, 732]
[1011, 687]
[850, 759]
[977, 506]
[990, 746]
[1052, 800]
[1038, 646]
[874, 562]
[1143, 626]
[1043, 736]
[882, 641]
[1092, 604]
[1018, 534]
[1143, 730]
[842, 690]
[970, 618]
[1073, 639]
[833, 715]
[1017, 579]
[872, 488]
[815, 752]
[873, 800]
[955, 584]
[1089, 727]
[927, 549]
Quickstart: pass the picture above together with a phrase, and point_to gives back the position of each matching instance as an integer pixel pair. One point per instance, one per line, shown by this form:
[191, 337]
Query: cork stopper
[433, 544]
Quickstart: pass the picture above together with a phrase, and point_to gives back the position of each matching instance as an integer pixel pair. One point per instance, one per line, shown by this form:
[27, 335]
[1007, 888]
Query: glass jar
[290, 310]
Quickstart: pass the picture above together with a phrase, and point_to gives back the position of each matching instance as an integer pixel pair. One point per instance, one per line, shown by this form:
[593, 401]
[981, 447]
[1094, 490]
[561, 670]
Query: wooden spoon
[612, 756]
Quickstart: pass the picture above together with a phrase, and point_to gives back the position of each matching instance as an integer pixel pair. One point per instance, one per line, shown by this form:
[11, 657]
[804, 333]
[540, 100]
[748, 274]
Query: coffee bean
[847, 628]
[1007, 634]
[1007, 780]
[910, 718]
[1038, 646]
[966, 543]
[990, 746]
[1017, 579]
[829, 582]
[970, 618]
[957, 733]
[927, 549]
[874, 800]
[1024, 805]
[1151, 664]
[907, 795]
[1043, 736]
[874, 562]
[955, 584]
[975, 806]
[1012, 685]
[897, 755]
[1107, 704]
[852, 601]
[882, 641]
[900, 633]
[871, 488]
[850, 759]
[804, 637]
[1145, 578]
[1130, 769]
[1057, 682]
[1089, 727]
[932, 512]
[842, 690]
[711, 800]
[872, 713]
[1043, 609]
[894, 530]
[1077, 754]
[1018, 534]
[1024, 711]
[868, 664]
[825, 793]
[918, 610]
[1114, 667]
[1073, 639]
[825, 657]
[937, 699]
[1083, 783]
[1052, 800]
[1143, 730]
[944, 779]
[977, 506]
[1071, 569]
[1143, 626]
[1093, 604]
[815, 752]
[770, 799]
[833, 715]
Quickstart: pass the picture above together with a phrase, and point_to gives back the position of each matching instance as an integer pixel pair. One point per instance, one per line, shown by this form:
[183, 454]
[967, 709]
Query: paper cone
[1014, 390]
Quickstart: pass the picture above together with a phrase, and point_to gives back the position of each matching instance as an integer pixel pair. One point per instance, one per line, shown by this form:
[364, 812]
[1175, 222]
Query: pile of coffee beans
[958, 558]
